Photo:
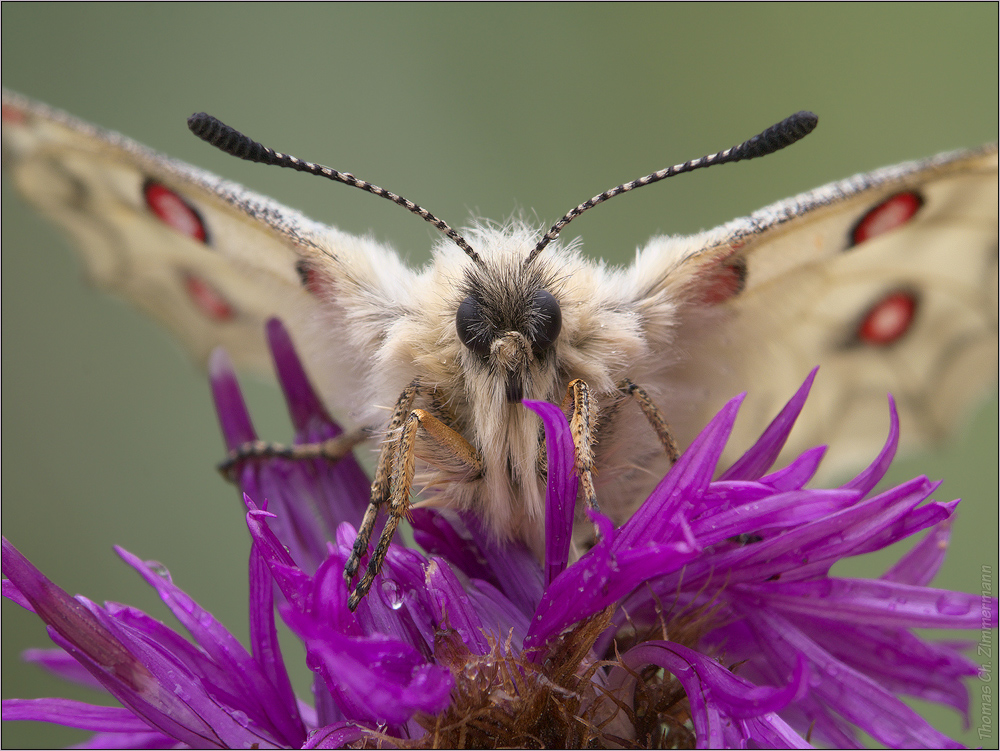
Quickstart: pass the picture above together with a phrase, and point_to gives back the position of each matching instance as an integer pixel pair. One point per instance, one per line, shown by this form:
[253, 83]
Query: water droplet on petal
[159, 569]
[392, 594]
[953, 603]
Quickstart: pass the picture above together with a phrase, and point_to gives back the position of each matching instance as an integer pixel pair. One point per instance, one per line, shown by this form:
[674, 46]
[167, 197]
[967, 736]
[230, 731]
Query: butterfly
[887, 280]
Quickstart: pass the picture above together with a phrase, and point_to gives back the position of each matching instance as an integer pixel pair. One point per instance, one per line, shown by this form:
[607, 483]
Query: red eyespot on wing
[174, 211]
[13, 115]
[207, 298]
[310, 279]
[724, 281]
[893, 212]
[888, 320]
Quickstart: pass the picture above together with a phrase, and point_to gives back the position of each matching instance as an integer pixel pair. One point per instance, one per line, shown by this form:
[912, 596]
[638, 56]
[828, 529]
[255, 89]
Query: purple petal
[310, 497]
[74, 714]
[691, 475]
[337, 735]
[148, 739]
[12, 593]
[304, 406]
[759, 458]
[343, 483]
[598, 579]
[771, 731]
[849, 693]
[461, 539]
[920, 565]
[222, 684]
[57, 662]
[442, 533]
[877, 602]
[810, 549]
[779, 511]
[152, 683]
[516, 571]
[717, 697]
[906, 525]
[327, 711]
[292, 581]
[296, 502]
[72, 620]
[327, 599]
[258, 697]
[875, 471]
[725, 495]
[234, 418]
[499, 615]
[343, 488]
[897, 660]
[456, 607]
[372, 679]
[561, 488]
[798, 473]
[891, 516]
[266, 648]
[399, 604]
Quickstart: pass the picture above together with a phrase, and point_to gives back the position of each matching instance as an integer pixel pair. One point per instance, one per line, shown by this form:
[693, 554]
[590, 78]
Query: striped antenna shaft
[235, 143]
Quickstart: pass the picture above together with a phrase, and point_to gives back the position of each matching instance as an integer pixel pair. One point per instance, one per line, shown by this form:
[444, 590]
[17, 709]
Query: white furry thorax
[414, 336]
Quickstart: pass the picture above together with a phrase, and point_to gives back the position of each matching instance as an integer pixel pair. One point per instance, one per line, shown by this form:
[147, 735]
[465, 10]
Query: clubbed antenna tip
[775, 138]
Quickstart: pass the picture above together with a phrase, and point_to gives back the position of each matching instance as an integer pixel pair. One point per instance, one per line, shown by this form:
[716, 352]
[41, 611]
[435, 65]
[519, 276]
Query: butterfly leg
[653, 415]
[582, 422]
[394, 479]
[383, 476]
[332, 449]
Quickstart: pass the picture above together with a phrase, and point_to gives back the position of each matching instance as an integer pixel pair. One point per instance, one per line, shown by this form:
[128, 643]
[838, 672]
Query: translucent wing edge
[285, 221]
[769, 218]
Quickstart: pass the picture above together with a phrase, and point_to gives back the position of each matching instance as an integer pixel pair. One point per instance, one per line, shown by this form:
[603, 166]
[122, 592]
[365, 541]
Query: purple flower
[708, 619]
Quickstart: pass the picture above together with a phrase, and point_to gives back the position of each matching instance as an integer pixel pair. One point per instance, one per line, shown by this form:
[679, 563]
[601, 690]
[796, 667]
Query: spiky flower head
[708, 619]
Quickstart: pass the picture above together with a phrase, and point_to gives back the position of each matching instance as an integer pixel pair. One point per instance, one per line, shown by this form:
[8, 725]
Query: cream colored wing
[887, 281]
[210, 259]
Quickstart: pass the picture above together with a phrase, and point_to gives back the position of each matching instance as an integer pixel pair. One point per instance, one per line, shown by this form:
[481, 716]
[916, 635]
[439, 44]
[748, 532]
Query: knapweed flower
[709, 619]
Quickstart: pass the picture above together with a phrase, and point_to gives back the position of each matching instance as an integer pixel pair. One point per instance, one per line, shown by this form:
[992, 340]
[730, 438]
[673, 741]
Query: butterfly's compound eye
[473, 330]
[547, 319]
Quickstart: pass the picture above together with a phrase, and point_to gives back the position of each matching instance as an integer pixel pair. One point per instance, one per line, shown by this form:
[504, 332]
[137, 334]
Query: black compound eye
[473, 331]
[547, 319]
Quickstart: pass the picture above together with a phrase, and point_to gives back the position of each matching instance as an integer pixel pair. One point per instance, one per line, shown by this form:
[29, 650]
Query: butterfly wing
[887, 281]
[210, 259]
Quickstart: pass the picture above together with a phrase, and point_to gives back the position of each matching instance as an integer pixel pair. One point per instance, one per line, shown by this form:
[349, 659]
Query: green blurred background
[486, 109]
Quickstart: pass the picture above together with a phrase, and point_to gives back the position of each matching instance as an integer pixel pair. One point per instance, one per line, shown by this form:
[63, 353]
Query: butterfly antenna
[230, 140]
[775, 138]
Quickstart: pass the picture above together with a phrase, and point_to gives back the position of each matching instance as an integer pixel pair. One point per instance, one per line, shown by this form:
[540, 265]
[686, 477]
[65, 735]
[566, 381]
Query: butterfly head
[508, 319]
